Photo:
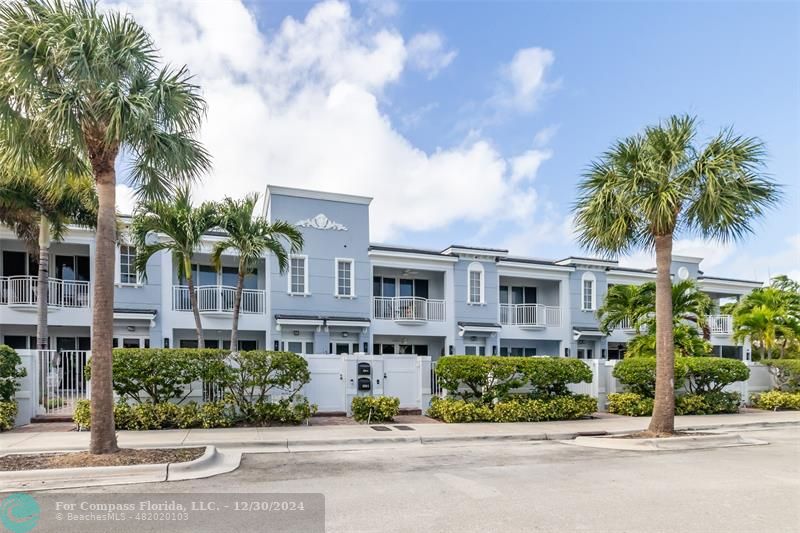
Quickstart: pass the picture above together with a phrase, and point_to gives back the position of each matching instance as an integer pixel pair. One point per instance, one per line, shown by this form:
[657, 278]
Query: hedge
[454, 410]
[632, 404]
[8, 414]
[375, 408]
[146, 416]
[491, 379]
[786, 373]
[10, 371]
[700, 375]
[638, 374]
[776, 400]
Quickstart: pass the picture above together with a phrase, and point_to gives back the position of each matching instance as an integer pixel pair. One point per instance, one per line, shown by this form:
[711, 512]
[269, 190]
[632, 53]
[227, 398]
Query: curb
[698, 442]
[209, 464]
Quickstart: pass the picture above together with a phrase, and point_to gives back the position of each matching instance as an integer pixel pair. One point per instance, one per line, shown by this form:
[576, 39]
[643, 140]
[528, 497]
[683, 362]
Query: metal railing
[625, 324]
[23, 291]
[408, 308]
[530, 315]
[60, 381]
[720, 324]
[218, 299]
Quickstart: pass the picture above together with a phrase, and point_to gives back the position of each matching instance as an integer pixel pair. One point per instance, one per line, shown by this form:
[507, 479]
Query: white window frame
[476, 267]
[352, 263]
[589, 277]
[306, 291]
[118, 272]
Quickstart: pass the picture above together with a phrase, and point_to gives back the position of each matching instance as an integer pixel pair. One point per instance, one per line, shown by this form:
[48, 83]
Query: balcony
[218, 299]
[530, 316]
[720, 324]
[22, 292]
[409, 310]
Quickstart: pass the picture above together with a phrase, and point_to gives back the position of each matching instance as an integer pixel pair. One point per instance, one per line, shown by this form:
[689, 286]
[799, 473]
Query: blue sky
[369, 93]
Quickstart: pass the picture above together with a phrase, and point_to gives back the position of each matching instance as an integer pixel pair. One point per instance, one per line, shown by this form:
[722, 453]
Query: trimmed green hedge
[375, 408]
[700, 375]
[786, 373]
[10, 371]
[776, 400]
[454, 410]
[632, 404]
[490, 379]
[8, 413]
[146, 416]
[638, 374]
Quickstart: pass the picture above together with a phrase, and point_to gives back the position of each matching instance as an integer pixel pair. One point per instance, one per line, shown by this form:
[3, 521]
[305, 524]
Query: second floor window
[475, 283]
[588, 292]
[344, 277]
[298, 275]
[127, 269]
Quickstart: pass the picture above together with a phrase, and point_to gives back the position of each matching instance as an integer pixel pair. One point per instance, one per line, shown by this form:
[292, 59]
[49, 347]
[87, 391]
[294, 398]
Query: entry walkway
[300, 438]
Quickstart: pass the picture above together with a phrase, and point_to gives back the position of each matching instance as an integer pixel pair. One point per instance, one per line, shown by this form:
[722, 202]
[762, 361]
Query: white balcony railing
[23, 291]
[625, 325]
[408, 309]
[720, 324]
[530, 315]
[218, 299]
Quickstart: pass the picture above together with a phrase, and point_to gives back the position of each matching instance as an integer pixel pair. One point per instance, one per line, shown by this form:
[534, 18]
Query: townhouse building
[344, 294]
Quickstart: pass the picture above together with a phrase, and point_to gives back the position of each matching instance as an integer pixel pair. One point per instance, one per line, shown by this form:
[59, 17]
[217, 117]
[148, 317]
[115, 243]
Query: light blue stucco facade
[342, 293]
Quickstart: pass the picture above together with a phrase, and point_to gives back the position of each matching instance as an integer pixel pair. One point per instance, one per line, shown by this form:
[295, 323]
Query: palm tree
[87, 85]
[183, 226]
[769, 316]
[689, 304]
[652, 186]
[623, 304]
[251, 238]
[39, 213]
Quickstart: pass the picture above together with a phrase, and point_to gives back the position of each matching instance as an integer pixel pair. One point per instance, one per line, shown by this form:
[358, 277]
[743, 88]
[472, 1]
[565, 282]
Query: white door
[401, 379]
[326, 388]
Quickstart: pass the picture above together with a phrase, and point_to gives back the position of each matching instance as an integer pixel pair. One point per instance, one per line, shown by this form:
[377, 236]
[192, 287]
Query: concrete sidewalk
[305, 438]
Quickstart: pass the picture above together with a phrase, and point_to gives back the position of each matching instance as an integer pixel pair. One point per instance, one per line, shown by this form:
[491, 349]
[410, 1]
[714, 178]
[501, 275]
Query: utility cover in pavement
[404, 428]
[381, 428]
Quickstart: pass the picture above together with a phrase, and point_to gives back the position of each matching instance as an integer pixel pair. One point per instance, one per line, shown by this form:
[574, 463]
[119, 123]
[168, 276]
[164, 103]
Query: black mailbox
[364, 369]
[364, 384]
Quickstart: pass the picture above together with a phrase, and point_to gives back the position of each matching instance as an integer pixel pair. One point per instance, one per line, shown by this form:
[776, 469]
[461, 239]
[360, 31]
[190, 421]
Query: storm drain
[381, 428]
[404, 428]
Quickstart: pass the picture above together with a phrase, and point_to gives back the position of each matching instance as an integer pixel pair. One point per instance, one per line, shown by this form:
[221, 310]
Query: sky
[472, 122]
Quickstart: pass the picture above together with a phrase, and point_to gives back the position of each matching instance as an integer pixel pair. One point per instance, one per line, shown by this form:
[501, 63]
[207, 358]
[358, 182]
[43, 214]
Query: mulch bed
[124, 457]
[651, 435]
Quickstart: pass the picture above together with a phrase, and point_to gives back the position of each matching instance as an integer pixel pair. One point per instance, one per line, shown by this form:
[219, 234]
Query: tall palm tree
[769, 316]
[652, 186]
[178, 227]
[39, 213]
[623, 304]
[251, 238]
[87, 85]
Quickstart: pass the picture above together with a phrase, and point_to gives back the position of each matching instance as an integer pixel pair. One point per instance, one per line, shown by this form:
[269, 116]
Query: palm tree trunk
[103, 437]
[42, 282]
[237, 304]
[663, 420]
[201, 342]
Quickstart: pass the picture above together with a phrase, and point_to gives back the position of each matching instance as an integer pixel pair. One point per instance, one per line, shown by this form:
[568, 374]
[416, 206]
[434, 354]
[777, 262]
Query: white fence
[720, 324]
[23, 291]
[218, 299]
[530, 315]
[408, 308]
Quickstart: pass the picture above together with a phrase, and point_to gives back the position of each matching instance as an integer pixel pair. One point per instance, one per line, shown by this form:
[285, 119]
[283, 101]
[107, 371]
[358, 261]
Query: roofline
[316, 195]
[731, 280]
[458, 249]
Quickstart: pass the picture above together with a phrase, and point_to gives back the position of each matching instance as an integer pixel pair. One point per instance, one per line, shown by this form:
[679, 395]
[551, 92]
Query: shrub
[251, 377]
[638, 374]
[159, 416]
[286, 411]
[160, 375]
[453, 410]
[786, 373]
[777, 400]
[630, 404]
[491, 379]
[709, 403]
[8, 413]
[10, 371]
[712, 374]
[375, 408]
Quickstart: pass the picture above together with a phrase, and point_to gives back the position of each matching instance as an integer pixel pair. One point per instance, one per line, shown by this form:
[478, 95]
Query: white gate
[401, 379]
[326, 388]
[60, 381]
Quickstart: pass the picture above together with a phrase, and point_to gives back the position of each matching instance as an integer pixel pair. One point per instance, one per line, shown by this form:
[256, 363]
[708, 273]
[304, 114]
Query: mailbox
[364, 369]
[364, 384]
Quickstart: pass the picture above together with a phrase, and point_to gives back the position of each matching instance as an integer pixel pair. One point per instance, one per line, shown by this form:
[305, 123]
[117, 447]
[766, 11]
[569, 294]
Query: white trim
[316, 195]
[457, 250]
[588, 276]
[306, 291]
[299, 321]
[510, 263]
[135, 316]
[347, 323]
[336, 261]
[587, 261]
[476, 266]
[687, 259]
[389, 255]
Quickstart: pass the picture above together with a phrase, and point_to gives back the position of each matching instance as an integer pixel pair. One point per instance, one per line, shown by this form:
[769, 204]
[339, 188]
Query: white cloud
[426, 52]
[524, 79]
[300, 106]
[125, 199]
[525, 166]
